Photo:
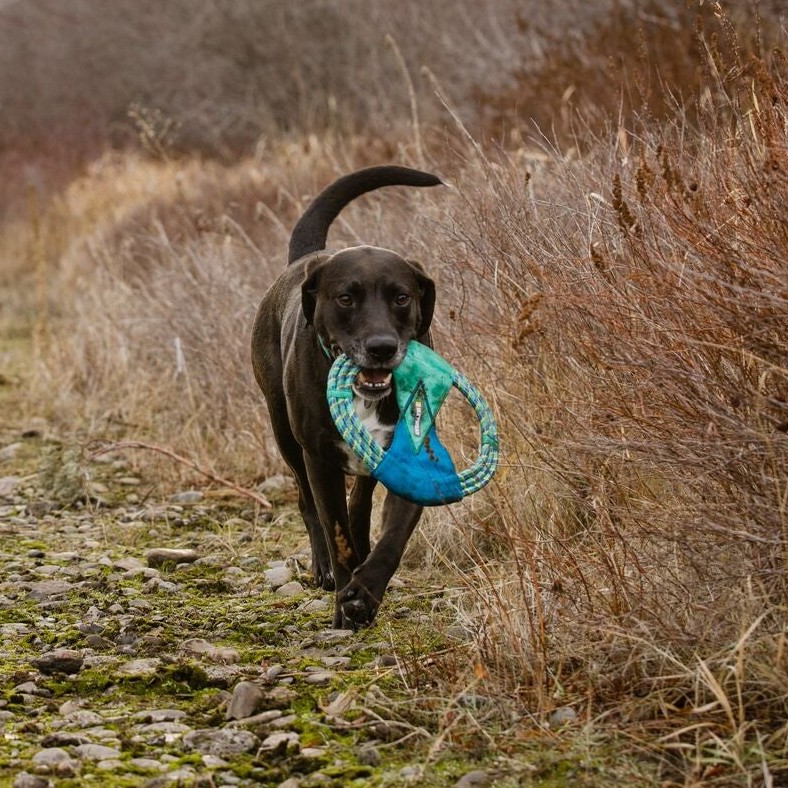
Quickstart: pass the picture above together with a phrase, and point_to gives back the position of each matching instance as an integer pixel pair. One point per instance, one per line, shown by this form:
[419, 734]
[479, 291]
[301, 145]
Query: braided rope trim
[370, 452]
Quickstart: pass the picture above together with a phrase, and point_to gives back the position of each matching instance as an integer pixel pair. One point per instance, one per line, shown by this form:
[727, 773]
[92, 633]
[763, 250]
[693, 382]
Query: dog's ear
[310, 285]
[427, 304]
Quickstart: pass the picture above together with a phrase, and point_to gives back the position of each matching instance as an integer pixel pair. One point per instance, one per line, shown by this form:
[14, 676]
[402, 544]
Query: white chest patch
[382, 433]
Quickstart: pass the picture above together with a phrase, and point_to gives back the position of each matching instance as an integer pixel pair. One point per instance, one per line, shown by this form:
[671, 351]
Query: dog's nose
[381, 348]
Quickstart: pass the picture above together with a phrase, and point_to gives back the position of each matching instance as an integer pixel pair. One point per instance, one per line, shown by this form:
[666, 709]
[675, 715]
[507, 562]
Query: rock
[61, 660]
[313, 752]
[478, 778]
[274, 672]
[198, 647]
[8, 484]
[247, 698]
[27, 780]
[223, 743]
[96, 752]
[164, 732]
[336, 662]
[50, 757]
[278, 576]
[320, 678]
[263, 718]
[159, 715]
[293, 588]
[98, 643]
[47, 589]
[85, 718]
[157, 584]
[64, 739]
[369, 755]
[147, 763]
[290, 782]
[187, 496]
[275, 484]
[315, 606]
[10, 451]
[31, 688]
[139, 668]
[563, 715]
[128, 563]
[280, 743]
[223, 675]
[333, 635]
[159, 556]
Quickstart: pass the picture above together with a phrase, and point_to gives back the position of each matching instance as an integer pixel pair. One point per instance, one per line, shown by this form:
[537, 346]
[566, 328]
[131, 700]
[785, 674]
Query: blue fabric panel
[427, 477]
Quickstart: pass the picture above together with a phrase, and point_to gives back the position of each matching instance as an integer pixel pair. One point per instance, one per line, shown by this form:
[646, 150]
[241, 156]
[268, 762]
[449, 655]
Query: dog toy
[415, 465]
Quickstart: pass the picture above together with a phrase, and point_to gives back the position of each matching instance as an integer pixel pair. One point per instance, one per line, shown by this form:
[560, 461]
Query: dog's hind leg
[293, 455]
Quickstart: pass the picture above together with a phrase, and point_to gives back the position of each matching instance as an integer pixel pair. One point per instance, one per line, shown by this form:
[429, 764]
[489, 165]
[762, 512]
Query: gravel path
[179, 642]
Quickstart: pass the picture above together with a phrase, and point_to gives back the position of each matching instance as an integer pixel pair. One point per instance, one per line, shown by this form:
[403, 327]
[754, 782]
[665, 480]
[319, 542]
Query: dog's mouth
[372, 383]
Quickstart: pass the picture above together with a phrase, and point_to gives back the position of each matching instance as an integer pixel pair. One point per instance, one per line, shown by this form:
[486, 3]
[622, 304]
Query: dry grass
[622, 302]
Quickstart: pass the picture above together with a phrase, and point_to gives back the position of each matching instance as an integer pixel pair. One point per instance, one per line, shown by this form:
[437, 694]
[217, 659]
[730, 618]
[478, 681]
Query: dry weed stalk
[259, 499]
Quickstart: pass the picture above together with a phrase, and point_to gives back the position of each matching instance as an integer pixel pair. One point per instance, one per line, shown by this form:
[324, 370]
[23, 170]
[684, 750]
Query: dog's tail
[309, 234]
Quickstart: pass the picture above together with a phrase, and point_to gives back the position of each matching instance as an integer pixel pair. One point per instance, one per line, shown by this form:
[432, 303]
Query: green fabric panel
[422, 381]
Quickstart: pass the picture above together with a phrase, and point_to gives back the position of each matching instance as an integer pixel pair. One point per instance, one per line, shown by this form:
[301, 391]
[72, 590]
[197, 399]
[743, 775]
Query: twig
[125, 445]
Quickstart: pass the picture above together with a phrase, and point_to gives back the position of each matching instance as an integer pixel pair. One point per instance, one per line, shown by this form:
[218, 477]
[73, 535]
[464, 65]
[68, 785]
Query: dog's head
[368, 303]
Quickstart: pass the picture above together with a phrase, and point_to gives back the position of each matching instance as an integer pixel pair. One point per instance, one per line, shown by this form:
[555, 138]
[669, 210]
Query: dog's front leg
[327, 483]
[360, 599]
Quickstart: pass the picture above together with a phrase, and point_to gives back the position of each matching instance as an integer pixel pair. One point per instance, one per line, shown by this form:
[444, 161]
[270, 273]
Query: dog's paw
[324, 578]
[356, 606]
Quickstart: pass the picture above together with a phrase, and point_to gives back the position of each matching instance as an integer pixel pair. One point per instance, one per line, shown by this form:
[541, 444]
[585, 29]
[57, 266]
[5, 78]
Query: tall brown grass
[622, 302]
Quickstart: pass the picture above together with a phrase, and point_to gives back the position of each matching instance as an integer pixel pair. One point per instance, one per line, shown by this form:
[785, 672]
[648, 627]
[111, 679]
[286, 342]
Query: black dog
[369, 303]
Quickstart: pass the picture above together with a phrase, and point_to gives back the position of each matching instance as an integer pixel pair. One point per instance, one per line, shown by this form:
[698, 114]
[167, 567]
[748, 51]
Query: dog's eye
[403, 299]
[345, 299]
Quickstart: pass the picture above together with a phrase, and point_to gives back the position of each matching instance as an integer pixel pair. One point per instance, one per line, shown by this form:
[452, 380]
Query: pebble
[96, 752]
[187, 496]
[64, 739]
[27, 780]
[320, 678]
[61, 660]
[8, 484]
[274, 484]
[145, 667]
[247, 698]
[563, 715]
[314, 606]
[50, 757]
[293, 588]
[280, 742]
[278, 576]
[263, 718]
[222, 742]
[479, 778]
[147, 763]
[198, 647]
[159, 556]
[9, 452]
[368, 755]
[47, 589]
[159, 715]
[273, 672]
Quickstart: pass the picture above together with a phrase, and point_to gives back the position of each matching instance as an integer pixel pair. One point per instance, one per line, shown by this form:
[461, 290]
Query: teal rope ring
[415, 465]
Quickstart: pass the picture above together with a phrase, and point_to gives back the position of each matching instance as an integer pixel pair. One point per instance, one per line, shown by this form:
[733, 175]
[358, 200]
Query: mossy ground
[393, 692]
